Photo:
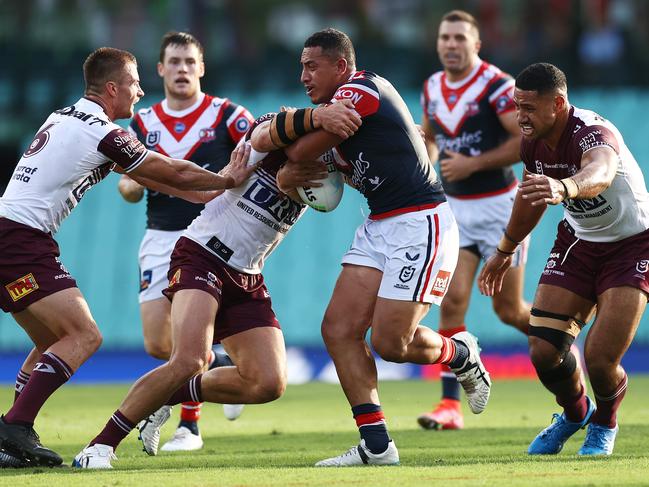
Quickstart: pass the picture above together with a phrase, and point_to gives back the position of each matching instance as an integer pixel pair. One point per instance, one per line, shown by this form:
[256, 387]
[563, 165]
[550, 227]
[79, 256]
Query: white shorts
[482, 221]
[154, 256]
[417, 253]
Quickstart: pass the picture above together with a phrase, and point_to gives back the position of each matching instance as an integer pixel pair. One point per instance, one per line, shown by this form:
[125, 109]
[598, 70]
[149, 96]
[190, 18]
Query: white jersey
[73, 150]
[245, 224]
[618, 212]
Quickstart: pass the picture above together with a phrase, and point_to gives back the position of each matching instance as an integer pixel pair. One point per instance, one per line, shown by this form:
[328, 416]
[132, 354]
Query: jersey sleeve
[238, 121]
[501, 96]
[593, 136]
[363, 93]
[123, 149]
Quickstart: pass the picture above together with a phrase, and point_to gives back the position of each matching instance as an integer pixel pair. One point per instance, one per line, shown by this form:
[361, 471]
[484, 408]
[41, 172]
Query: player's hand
[130, 190]
[490, 280]
[299, 174]
[541, 190]
[339, 118]
[456, 166]
[238, 168]
[287, 109]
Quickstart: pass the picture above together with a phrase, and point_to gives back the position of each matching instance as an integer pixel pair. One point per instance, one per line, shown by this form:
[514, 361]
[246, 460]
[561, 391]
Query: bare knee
[185, 366]
[266, 387]
[336, 332]
[89, 338]
[390, 349]
[160, 349]
[508, 312]
[598, 362]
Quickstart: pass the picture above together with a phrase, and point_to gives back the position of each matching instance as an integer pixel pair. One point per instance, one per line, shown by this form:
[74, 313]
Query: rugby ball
[326, 197]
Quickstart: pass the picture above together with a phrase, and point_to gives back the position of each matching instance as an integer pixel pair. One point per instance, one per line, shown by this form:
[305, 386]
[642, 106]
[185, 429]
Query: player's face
[536, 113]
[458, 45]
[321, 74]
[128, 92]
[181, 71]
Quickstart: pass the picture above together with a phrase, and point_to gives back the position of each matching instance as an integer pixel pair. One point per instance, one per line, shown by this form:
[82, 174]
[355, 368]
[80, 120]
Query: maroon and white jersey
[464, 115]
[618, 212]
[245, 224]
[204, 133]
[73, 150]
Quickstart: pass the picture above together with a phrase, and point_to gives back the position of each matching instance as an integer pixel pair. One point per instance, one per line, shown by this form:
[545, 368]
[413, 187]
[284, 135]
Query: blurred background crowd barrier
[252, 50]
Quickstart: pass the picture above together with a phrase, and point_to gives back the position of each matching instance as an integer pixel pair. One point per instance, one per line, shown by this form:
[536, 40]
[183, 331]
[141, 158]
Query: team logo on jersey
[22, 287]
[152, 138]
[642, 266]
[207, 135]
[145, 282]
[539, 166]
[452, 98]
[501, 102]
[406, 273]
[441, 283]
[175, 279]
[242, 125]
[179, 127]
[551, 264]
[472, 108]
[412, 258]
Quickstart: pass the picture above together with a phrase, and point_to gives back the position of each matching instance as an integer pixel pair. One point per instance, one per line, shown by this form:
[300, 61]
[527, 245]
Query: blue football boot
[550, 441]
[600, 440]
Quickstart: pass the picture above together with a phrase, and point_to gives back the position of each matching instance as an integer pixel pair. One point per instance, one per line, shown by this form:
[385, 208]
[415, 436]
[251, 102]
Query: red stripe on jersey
[486, 195]
[401, 211]
[365, 99]
[216, 122]
[448, 92]
[432, 261]
[172, 123]
[369, 418]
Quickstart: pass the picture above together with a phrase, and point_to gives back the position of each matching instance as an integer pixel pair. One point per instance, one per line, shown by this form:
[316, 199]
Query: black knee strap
[561, 372]
[561, 340]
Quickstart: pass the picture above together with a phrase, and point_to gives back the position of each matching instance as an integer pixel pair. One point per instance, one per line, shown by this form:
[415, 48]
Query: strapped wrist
[287, 127]
[570, 186]
[507, 245]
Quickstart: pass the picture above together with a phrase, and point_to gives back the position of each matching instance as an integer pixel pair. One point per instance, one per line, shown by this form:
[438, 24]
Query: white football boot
[183, 440]
[149, 429]
[472, 374]
[96, 456]
[361, 455]
[232, 411]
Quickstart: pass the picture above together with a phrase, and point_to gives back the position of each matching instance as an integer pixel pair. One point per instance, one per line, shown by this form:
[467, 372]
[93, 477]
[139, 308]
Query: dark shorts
[244, 301]
[30, 268]
[590, 268]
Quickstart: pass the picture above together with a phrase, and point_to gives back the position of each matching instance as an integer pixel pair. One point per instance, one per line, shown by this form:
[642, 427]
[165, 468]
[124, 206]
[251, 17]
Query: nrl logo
[152, 138]
[642, 266]
[406, 273]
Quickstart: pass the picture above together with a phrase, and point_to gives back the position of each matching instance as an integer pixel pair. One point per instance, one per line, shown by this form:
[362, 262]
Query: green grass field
[276, 444]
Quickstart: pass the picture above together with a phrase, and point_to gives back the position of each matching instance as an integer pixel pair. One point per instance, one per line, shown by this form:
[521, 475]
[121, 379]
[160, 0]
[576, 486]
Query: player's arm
[522, 221]
[339, 119]
[130, 190]
[184, 175]
[429, 138]
[188, 195]
[598, 169]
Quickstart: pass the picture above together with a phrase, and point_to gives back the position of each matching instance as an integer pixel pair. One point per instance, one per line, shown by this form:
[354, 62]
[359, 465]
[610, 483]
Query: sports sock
[188, 392]
[117, 428]
[450, 385]
[21, 381]
[574, 408]
[50, 373]
[371, 425]
[606, 413]
[189, 416]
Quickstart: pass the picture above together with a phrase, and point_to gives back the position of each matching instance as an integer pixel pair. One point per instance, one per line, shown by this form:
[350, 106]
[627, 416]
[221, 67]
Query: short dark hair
[543, 78]
[461, 16]
[180, 39]
[333, 43]
[105, 64]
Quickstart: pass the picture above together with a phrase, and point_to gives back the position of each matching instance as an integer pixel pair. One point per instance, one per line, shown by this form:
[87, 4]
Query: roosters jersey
[73, 150]
[205, 133]
[245, 224]
[386, 159]
[464, 116]
[618, 212]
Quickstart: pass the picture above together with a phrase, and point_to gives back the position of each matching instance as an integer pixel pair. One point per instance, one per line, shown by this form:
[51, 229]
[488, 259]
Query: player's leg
[447, 414]
[556, 319]
[192, 317]
[619, 311]
[156, 327]
[67, 317]
[509, 304]
[344, 329]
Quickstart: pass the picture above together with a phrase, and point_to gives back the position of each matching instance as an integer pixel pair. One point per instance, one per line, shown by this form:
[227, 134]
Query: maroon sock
[48, 375]
[189, 392]
[117, 428]
[21, 381]
[574, 408]
[606, 413]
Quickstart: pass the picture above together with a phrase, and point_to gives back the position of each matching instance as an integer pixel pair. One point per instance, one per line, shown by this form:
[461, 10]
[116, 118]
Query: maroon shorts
[244, 301]
[30, 268]
[590, 268]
